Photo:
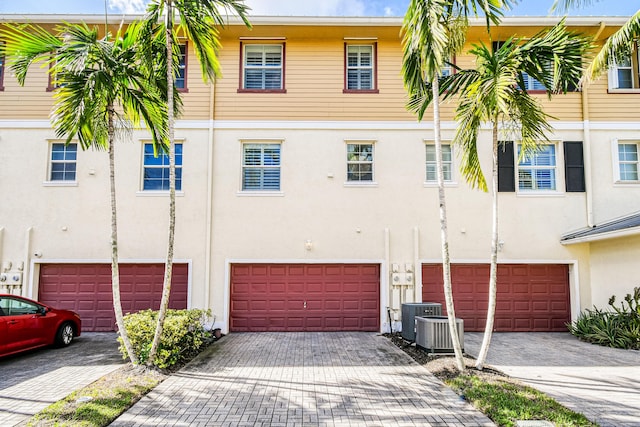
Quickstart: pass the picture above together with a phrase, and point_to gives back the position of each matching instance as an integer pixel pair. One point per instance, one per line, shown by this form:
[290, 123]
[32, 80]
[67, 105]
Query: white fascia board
[395, 21]
[326, 125]
[635, 231]
[46, 124]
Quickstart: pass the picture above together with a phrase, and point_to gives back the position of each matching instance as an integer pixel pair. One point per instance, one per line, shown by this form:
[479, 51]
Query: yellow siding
[34, 102]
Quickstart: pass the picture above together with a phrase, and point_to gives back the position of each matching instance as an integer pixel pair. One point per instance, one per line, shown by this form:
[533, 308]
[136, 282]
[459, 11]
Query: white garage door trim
[574, 276]
[384, 281]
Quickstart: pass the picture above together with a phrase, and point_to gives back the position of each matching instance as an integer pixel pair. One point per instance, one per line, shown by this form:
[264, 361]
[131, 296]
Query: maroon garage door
[86, 289]
[305, 297]
[531, 297]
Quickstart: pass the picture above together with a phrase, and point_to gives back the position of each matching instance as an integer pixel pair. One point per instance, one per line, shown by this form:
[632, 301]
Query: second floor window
[63, 161]
[181, 77]
[263, 67]
[360, 67]
[447, 163]
[537, 170]
[360, 162]
[628, 161]
[155, 175]
[261, 167]
[1, 69]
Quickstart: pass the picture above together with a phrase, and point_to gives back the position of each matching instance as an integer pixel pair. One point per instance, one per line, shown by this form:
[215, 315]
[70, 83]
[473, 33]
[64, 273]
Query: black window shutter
[506, 167]
[574, 167]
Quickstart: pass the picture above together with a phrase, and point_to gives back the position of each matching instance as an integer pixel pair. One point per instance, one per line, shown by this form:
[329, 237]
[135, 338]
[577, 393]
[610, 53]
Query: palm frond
[616, 47]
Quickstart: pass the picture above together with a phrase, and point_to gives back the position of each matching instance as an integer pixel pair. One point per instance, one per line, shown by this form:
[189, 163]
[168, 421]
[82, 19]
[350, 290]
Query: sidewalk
[600, 382]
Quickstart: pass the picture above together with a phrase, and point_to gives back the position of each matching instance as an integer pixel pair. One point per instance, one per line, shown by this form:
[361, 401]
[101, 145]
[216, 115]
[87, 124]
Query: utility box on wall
[412, 310]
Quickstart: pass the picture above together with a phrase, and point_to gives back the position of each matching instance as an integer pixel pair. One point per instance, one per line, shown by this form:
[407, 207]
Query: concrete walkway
[31, 381]
[600, 382]
[302, 379]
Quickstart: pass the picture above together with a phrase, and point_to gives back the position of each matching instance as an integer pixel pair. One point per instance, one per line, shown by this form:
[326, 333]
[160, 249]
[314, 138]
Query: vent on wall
[432, 334]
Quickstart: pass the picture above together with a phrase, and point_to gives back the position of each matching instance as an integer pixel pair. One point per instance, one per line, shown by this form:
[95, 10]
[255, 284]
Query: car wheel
[64, 336]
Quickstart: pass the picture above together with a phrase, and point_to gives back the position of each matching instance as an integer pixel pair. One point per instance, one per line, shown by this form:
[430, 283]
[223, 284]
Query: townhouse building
[307, 198]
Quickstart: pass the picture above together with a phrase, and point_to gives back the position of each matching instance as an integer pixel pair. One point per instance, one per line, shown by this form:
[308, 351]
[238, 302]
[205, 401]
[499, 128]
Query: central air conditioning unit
[412, 310]
[432, 334]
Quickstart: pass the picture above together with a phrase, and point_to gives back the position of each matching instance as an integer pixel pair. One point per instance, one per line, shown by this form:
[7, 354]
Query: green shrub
[182, 337]
[618, 327]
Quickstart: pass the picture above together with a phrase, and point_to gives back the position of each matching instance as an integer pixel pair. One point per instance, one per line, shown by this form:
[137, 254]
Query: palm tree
[617, 47]
[433, 32]
[495, 93]
[101, 87]
[199, 20]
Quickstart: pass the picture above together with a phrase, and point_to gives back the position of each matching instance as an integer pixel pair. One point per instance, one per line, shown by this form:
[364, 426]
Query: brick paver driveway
[31, 381]
[294, 379]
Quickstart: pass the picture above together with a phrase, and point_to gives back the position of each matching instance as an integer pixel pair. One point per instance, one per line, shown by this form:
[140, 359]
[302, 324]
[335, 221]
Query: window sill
[262, 91]
[626, 184]
[182, 90]
[158, 193]
[362, 184]
[257, 193]
[430, 184]
[539, 193]
[60, 184]
[628, 91]
[360, 91]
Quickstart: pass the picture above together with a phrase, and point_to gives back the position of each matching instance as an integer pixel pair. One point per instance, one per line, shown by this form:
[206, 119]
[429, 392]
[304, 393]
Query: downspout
[417, 267]
[27, 267]
[209, 214]
[588, 177]
[387, 261]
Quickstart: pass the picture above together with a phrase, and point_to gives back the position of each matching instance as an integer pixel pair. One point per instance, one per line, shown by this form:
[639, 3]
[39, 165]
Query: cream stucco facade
[317, 215]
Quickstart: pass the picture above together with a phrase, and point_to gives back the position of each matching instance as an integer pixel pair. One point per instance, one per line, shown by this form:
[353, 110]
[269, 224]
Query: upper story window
[181, 77]
[263, 67]
[623, 74]
[447, 163]
[537, 170]
[62, 166]
[360, 162]
[628, 164]
[1, 67]
[155, 173]
[261, 167]
[360, 68]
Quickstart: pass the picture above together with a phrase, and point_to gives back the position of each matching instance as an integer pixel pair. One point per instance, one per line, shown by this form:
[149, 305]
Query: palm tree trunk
[166, 287]
[493, 275]
[444, 235]
[115, 272]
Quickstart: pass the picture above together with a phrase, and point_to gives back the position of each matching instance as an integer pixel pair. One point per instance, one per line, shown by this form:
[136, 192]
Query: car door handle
[12, 322]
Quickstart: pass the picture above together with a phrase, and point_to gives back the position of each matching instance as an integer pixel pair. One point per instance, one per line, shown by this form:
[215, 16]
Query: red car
[27, 324]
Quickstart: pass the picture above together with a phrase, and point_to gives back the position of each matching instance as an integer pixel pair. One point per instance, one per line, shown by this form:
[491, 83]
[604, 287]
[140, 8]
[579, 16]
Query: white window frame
[559, 183]
[359, 68]
[162, 166]
[614, 81]
[615, 156]
[182, 65]
[372, 162]
[263, 143]
[61, 182]
[452, 164]
[246, 47]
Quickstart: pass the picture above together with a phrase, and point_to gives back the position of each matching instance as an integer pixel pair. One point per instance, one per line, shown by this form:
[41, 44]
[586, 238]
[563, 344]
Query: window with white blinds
[360, 67]
[263, 67]
[537, 170]
[261, 167]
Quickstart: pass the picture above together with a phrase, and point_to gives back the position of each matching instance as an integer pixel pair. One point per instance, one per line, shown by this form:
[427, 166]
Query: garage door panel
[332, 292]
[86, 289]
[531, 297]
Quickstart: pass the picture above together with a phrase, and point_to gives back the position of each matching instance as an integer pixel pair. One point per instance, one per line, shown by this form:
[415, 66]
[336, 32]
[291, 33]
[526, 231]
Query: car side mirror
[42, 311]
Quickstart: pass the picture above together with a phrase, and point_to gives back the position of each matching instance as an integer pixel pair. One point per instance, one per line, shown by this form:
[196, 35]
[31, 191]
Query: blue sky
[307, 7]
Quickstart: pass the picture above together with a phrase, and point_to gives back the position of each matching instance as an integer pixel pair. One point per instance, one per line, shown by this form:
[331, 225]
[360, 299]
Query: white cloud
[307, 7]
[128, 6]
[388, 11]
